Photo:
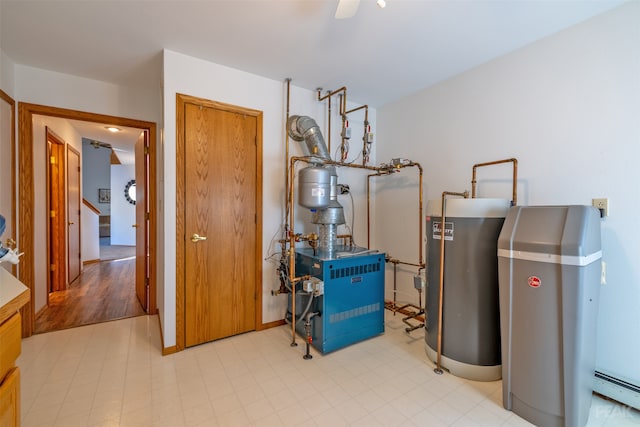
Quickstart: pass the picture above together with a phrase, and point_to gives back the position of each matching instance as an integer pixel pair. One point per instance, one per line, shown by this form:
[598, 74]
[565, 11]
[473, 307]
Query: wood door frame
[77, 153]
[12, 140]
[181, 101]
[59, 224]
[26, 215]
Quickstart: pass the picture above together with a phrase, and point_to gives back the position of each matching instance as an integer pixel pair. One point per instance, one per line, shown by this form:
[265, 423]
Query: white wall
[123, 213]
[567, 108]
[6, 74]
[44, 87]
[6, 84]
[195, 77]
[90, 232]
[96, 174]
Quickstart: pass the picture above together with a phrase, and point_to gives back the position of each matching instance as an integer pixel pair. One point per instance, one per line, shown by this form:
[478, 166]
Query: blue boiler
[351, 306]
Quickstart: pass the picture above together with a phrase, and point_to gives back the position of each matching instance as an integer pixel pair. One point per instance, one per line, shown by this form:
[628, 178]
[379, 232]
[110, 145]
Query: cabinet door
[10, 399]
[10, 345]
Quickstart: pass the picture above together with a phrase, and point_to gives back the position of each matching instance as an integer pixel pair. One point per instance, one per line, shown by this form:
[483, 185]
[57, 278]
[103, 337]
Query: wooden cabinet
[13, 295]
[10, 399]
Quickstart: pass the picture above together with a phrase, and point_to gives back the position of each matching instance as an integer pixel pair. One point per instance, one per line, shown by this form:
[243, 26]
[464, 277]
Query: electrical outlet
[603, 273]
[603, 205]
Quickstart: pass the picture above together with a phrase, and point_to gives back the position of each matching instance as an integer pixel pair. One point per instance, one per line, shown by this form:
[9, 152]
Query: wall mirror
[130, 191]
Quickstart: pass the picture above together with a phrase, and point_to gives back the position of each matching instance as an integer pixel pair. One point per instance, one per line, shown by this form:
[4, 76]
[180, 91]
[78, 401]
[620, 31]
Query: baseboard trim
[91, 261]
[270, 325]
[165, 350]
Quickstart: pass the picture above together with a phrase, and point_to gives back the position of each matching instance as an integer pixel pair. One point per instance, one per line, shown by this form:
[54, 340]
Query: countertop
[13, 295]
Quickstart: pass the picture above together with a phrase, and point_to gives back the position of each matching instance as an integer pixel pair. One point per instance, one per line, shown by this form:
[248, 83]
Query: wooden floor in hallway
[104, 291]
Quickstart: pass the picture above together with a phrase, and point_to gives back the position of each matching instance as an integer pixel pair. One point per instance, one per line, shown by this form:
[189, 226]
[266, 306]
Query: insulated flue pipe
[514, 200]
[438, 369]
[306, 131]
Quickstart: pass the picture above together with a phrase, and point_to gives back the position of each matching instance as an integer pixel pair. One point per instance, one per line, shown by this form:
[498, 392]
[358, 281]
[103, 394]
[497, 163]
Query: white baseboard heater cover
[617, 389]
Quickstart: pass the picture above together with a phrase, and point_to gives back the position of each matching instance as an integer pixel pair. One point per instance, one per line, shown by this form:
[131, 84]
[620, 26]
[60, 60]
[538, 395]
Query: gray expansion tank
[549, 274]
[471, 319]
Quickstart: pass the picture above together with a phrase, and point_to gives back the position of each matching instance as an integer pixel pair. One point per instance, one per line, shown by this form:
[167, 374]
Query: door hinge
[52, 160]
[146, 216]
[52, 214]
[52, 267]
[146, 149]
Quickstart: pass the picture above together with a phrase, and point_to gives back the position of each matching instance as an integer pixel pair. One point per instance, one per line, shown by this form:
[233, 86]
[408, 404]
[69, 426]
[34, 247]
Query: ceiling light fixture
[112, 129]
[381, 4]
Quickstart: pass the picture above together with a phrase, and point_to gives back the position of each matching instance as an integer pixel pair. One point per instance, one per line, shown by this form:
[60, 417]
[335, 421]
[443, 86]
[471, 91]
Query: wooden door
[142, 220]
[56, 208]
[220, 216]
[74, 178]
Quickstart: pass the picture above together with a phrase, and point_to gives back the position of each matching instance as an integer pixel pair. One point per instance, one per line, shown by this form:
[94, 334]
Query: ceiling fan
[98, 144]
[348, 8]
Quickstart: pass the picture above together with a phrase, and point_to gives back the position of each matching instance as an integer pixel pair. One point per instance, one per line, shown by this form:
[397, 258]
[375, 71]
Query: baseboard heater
[617, 389]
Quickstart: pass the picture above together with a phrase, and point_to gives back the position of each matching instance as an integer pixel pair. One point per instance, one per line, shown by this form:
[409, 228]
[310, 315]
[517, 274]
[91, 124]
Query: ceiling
[380, 55]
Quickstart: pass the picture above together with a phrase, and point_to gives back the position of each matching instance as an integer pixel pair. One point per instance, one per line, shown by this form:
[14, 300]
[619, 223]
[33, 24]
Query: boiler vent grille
[354, 312]
[354, 270]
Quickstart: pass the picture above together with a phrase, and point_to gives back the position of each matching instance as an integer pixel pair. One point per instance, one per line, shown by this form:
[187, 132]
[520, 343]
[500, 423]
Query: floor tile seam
[124, 382]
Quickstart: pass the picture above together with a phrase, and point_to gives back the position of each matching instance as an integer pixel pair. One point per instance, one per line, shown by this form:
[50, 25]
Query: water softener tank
[471, 316]
[314, 186]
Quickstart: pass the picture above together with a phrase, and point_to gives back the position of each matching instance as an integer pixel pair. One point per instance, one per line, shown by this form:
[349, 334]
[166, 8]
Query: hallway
[104, 291]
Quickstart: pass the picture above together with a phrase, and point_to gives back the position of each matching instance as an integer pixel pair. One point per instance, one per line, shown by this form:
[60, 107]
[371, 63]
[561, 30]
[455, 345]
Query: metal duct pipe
[306, 131]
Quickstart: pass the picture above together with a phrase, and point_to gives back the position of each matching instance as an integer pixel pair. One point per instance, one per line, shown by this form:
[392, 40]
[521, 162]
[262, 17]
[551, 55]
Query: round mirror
[130, 191]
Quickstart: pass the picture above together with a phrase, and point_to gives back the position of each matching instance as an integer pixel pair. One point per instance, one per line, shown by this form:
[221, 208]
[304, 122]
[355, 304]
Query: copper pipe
[386, 171]
[514, 200]
[343, 107]
[286, 155]
[369, 204]
[438, 369]
[330, 94]
[364, 134]
[343, 117]
[328, 127]
[346, 236]
[292, 260]
[397, 261]
[420, 257]
[365, 142]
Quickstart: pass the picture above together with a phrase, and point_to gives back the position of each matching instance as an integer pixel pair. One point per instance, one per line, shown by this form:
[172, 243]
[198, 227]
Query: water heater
[471, 317]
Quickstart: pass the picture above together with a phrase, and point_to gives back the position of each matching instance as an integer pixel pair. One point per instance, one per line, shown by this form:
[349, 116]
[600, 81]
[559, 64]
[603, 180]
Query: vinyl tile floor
[113, 374]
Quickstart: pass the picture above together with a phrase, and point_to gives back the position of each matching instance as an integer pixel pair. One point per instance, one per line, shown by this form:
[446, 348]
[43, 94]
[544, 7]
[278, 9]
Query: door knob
[135, 225]
[195, 238]
[71, 222]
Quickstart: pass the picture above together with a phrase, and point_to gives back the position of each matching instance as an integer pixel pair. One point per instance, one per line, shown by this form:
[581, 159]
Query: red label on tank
[534, 281]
